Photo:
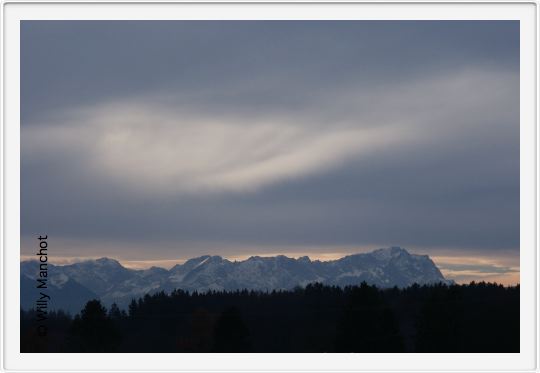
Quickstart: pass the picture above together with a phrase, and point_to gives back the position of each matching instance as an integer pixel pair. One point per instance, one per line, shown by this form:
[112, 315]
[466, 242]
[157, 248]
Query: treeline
[479, 317]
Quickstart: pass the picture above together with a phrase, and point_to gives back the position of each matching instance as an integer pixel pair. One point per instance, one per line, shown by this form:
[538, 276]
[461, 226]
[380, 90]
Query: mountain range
[71, 286]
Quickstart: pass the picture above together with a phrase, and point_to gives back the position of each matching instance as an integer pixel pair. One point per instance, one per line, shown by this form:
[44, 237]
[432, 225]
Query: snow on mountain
[114, 283]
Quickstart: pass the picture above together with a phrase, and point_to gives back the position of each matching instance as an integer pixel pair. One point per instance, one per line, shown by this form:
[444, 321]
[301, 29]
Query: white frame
[13, 360]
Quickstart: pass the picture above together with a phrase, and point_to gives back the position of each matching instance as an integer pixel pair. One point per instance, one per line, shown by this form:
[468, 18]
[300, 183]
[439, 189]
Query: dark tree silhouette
[93, 331]
[368, 323]
[115, 313]
[479, 317]
[230, 332]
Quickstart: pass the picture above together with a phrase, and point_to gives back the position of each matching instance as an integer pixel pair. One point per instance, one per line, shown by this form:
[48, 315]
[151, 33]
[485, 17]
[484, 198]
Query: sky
[153, 142]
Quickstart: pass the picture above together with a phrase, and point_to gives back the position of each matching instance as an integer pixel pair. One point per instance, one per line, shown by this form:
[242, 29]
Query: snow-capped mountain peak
[112, 282]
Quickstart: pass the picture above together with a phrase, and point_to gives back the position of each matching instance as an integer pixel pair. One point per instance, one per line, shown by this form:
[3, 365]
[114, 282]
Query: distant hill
[109, 281]
[69, 296]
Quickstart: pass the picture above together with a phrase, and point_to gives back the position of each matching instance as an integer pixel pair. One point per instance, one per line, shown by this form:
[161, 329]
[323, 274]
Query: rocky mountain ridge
[108, 280]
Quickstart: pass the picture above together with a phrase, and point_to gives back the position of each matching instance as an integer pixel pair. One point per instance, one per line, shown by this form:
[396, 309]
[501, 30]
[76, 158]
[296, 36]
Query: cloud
[151, 145]
[287, 62]
[162, 140]
[476, 268]
[493, 268]
[159, 150]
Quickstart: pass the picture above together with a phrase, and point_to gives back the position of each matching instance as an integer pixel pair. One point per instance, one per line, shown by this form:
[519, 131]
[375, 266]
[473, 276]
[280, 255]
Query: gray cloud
[487, 268]
[219, 135]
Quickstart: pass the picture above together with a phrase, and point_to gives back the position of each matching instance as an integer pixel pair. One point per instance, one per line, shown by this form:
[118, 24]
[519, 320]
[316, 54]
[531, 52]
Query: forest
[476, 317]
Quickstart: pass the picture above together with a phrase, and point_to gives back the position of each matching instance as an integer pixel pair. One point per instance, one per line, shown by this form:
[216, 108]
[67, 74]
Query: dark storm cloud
[281, 64]
[271, 133]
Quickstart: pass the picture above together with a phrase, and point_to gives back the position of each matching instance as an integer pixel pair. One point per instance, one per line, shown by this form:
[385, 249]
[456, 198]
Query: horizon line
[145, 263]
[461, 269]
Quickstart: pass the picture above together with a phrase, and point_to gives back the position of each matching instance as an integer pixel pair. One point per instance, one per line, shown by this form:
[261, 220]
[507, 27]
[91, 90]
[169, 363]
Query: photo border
[14, 11]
